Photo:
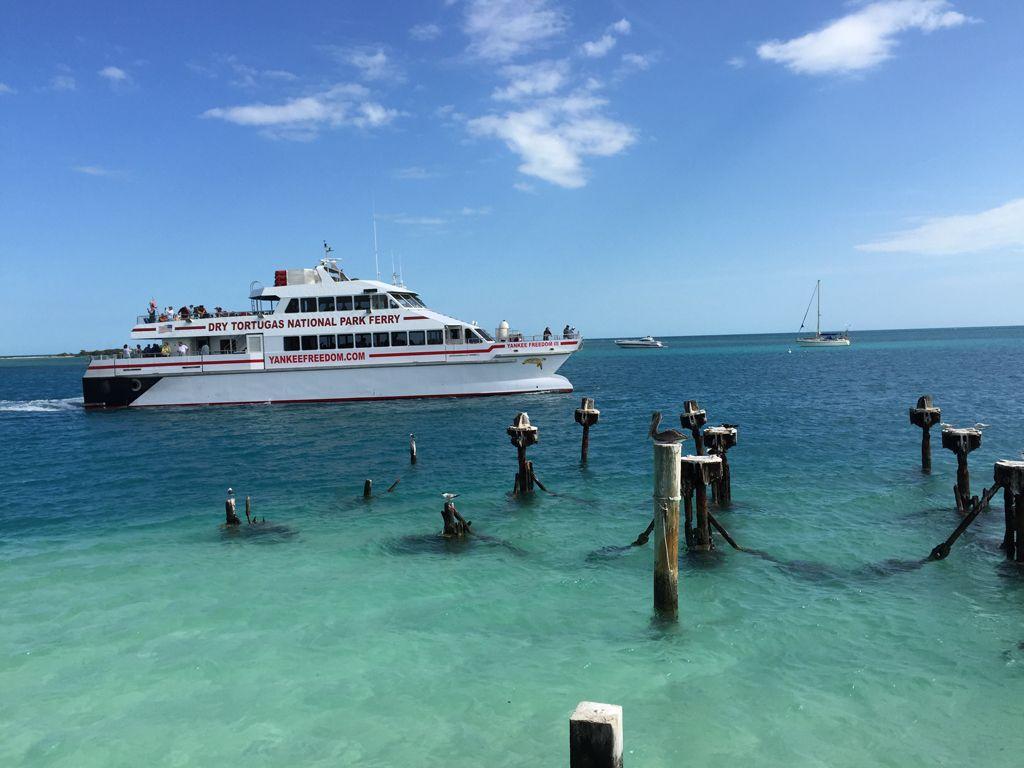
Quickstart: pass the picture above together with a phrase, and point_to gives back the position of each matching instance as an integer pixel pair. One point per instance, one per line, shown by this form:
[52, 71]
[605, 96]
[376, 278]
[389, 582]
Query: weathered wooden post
[1010, 476]
[693, 418]
[697, 472]
[961, 442]
[367, 489]
[718, 441]
[595, 736]
[412, 448]
[925, 415]
[455, 525]
[523, 435]
[587, 416]
[248, 510]
[666, 529]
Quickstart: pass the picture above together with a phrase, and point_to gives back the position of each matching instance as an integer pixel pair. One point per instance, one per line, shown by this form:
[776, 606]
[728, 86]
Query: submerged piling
[693, 418]
[666, 529]
[1009, 475]
[367, 489]
[586, 416]
[718, 441]
[523, 435]
[595, 736]
[412, 448]
[697, 473]
[925, 415]
[961, 442]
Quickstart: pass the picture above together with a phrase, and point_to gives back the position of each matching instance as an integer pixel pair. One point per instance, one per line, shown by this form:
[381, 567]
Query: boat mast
[376, 253]
[819, 308]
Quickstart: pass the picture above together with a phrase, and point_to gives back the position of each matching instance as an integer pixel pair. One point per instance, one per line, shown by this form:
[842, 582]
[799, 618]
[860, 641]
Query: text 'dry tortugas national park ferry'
[320, 336]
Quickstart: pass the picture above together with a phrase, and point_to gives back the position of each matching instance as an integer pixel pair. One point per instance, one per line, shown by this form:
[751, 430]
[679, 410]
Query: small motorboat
[647, 342]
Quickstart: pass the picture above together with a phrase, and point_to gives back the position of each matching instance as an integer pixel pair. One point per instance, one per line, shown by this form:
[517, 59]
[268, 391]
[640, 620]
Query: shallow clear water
[134, 630]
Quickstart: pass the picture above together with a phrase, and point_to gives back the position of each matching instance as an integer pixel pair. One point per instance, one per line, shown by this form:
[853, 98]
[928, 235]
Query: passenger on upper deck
[183, 349]
[547, 333]
[567, 332]
[126, 351]
[151, 315]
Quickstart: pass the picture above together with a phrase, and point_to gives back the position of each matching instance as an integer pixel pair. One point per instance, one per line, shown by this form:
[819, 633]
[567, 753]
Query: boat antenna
[394, 272]
[401, 272]
[819, 307]
[327, 250]
[376, 253]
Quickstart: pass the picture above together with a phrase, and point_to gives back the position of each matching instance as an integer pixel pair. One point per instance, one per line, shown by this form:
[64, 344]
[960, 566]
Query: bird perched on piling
[665, 435]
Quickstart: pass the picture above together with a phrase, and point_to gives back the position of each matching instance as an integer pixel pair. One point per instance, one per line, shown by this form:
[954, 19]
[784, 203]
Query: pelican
[665, 436]
[449, 496]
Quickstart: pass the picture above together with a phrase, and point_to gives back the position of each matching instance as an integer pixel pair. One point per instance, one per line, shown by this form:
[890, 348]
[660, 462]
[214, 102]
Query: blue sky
[662, 167]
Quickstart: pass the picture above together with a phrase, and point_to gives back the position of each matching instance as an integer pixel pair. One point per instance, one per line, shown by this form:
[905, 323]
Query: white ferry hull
[318, 385]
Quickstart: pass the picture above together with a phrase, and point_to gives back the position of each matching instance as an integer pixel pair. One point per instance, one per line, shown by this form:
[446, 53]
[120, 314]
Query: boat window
[326, 304]
[485, 334]
[363, 340]
[293, 306]
[454, 333]
[435, 337]
[382, 339]
[291, 344]
[344, 304]
[345, 341]
[309, 342]
[472, 338]
[362, 303]
[419, 338]
[380, 301]
[399, 339]
[393, 304]
[309, 304]
[327, 342]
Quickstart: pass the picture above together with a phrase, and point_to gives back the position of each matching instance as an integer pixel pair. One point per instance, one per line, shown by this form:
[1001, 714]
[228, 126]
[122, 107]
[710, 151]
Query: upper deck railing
[177, 317]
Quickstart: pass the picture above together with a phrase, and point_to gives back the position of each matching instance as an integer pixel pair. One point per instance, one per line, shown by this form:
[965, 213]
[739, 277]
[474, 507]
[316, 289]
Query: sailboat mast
[819, 308]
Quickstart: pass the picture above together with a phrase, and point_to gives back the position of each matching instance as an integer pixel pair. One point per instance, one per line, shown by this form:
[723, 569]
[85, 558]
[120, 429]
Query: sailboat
[820, 339]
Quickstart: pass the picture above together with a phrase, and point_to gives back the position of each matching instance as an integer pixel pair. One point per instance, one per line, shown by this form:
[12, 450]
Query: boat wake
[41, 406]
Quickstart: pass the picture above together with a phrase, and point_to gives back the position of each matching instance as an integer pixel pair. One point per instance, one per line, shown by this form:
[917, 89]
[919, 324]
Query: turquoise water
[135, 631]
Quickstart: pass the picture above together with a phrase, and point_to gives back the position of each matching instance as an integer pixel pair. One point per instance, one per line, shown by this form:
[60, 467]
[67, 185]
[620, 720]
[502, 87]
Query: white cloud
[6, 90]
[737, 62]
[413, 172]
[115, 75]
[1000, 228]
[372, 63]
[500, 30]
[94, 170]
[553, 137]
[862, 39]
[300, 118]
[425, 32]
[530, 80]
[637, 60]
[600, 47]
[62, 83]
[419, 221]
[482, 211]
[523, 186]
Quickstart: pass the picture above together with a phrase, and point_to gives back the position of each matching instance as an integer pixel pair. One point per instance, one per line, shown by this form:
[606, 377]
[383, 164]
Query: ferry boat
[319, 336]
[647, 342]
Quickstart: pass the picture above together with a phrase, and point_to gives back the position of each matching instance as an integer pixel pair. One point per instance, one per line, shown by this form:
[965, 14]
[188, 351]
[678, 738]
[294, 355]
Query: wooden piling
[248, 510]
[595, 736]
[697, 473]
[412, 448]
[523, 435]
[455, 525]
[718, 440]
[693, 418]
[367, 489]
[925, 415]
[586, 415]
[666, 529]
[1009, 475]
[962, 442]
